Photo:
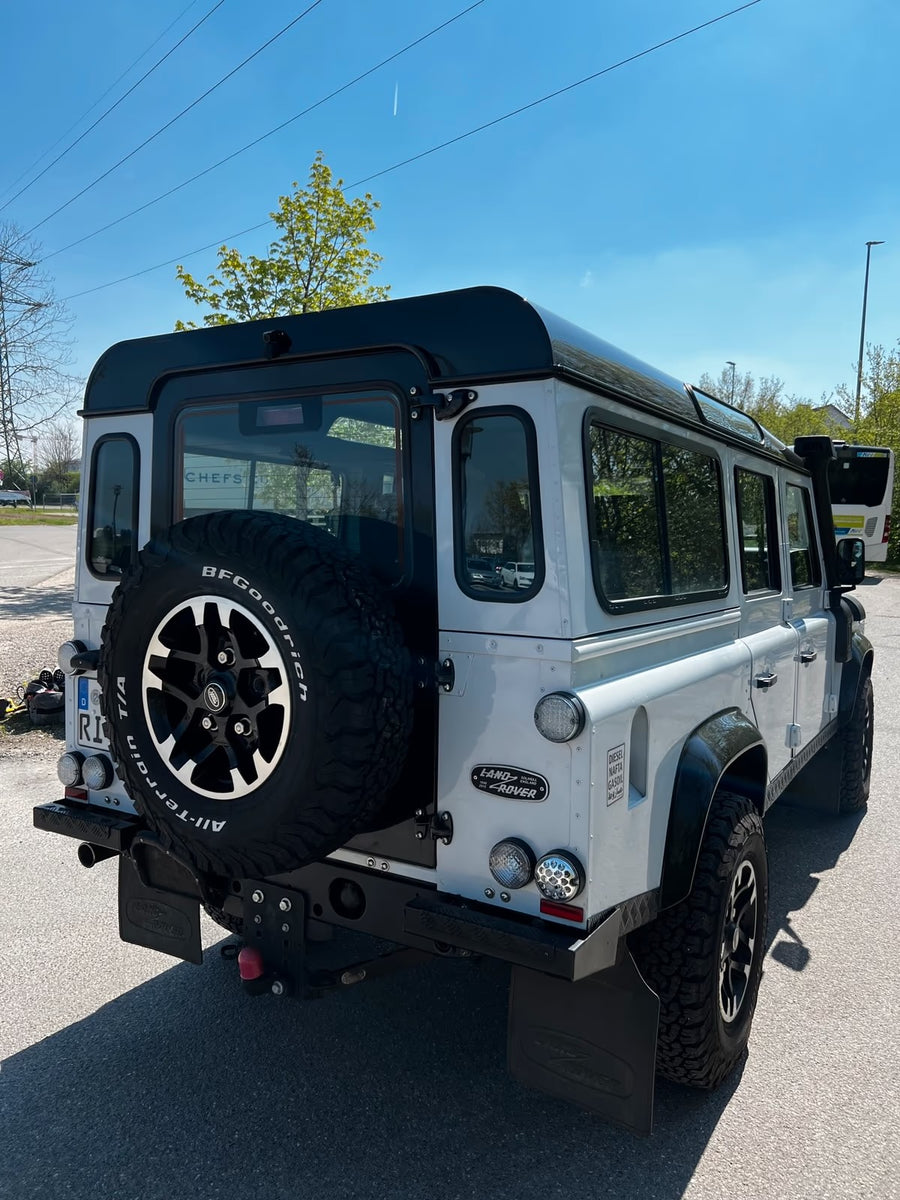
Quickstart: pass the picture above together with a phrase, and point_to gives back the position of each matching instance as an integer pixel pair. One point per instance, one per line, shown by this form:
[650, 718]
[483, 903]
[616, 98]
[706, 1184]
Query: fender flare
[707, 757]
[854, 674]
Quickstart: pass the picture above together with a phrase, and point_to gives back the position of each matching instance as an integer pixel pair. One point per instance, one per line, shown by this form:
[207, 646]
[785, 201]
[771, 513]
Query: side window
[760, 569]
[657, 522]
[497, 510]
[112, 506]
[806, 571]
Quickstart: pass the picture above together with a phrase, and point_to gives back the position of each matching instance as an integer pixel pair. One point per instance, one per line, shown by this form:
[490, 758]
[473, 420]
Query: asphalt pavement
[126, 1075]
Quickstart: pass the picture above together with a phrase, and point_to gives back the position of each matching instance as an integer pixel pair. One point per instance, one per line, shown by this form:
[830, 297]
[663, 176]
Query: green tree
[318, 260]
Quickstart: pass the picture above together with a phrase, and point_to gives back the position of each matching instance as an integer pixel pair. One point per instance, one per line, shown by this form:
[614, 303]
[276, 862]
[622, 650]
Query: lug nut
[208, 723]
[225, 658]
[241, 728]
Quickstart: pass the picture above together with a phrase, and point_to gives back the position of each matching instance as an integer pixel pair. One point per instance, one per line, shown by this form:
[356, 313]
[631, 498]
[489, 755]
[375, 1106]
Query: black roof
[473, 335]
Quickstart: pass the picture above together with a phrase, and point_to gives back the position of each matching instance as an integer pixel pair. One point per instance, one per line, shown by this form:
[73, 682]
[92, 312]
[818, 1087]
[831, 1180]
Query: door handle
[765, 681]
[808, 656]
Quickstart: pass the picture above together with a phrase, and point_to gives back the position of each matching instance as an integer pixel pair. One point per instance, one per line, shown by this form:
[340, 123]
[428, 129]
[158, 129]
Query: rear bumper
[409, 913]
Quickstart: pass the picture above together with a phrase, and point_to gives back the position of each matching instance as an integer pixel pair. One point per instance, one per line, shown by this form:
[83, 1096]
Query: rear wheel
[704, 956]
[856, 763]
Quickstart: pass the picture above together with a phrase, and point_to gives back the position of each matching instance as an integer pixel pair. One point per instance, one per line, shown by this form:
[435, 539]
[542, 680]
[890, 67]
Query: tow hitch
[275, 959]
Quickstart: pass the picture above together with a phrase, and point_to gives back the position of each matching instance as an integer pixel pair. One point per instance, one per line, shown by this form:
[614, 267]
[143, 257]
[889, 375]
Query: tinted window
[693, 520]
[497, 506]
[805, 568]
[714, 412]
[113, 507]
[657, 528]
[332, 461]
[760, 570]
[859, 478]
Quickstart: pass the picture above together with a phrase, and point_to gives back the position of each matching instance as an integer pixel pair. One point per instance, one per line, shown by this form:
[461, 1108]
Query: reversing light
[511, 863]
[559, 876]
[559, 717]
[97, 772]
[68, 769]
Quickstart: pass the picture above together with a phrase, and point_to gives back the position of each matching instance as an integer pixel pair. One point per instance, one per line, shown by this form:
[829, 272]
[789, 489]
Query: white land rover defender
[443, 620]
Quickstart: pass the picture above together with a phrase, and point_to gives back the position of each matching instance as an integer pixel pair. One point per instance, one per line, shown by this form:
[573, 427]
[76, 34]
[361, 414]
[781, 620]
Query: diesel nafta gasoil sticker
[615, 774]
[512, 783]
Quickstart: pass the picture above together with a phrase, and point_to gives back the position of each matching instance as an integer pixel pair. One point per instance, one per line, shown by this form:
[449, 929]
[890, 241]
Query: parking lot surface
[125, 1074]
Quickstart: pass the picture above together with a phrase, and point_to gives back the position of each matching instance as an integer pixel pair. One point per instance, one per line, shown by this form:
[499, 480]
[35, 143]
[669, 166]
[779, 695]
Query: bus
[862, 486]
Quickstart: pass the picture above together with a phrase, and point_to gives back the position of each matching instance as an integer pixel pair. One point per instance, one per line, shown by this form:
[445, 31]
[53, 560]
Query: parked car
[517, 575]
[480, 572]
[11, 499]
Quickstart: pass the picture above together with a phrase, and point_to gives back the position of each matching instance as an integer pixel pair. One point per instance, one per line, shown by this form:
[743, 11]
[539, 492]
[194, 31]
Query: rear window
[112, 507]
[656, 521]
[859, 478]
[333, 461]
[497, 511]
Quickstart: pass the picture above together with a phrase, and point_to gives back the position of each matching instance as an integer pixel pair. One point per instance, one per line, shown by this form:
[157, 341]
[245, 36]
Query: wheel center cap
[214, 697]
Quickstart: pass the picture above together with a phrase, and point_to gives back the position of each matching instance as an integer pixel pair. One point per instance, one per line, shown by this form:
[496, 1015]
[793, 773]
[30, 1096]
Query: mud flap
[168, 921]
[592, 1043]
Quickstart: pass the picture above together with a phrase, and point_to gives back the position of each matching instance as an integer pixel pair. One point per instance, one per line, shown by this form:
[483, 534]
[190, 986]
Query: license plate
[88, 722]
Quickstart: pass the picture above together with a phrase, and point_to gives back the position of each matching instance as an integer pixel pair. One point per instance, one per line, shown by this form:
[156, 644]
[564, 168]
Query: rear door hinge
[445, 404]
[440, 675]
[438, 826]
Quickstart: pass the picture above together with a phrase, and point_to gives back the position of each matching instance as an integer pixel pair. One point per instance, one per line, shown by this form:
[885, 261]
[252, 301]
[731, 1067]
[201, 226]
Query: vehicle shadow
[801, 844]
[185, 1086]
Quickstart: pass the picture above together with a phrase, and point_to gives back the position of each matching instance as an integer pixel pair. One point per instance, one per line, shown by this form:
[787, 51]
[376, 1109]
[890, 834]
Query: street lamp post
[729, 363]
[862, 331]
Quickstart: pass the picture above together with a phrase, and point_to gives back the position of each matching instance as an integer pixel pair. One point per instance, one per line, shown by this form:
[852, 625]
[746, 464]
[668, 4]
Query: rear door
[809, 616]
[359, 468]
[772, 640]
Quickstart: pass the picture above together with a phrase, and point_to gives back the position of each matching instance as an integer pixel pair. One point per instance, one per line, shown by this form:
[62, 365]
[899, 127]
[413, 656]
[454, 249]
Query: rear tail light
[559, 717]
[568, 912]
[886, 536]
[559, 876]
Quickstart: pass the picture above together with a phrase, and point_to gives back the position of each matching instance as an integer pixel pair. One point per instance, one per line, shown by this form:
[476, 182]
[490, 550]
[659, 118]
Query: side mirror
[851, 554]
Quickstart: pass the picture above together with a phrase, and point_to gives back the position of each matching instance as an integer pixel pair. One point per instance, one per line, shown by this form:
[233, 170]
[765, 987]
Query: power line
[623, 62]
[256, 141]
[105, 114]
[441, 145]
[177, 117]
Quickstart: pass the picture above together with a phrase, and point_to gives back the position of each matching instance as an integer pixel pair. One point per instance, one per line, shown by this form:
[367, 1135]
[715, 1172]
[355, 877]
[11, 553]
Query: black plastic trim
[708, 753]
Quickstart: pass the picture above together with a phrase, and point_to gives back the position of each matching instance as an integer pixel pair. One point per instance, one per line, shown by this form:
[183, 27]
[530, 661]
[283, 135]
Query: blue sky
[710, 201]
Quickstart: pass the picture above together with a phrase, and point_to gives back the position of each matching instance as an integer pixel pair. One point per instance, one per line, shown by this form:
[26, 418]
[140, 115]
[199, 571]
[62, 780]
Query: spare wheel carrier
[256, 690]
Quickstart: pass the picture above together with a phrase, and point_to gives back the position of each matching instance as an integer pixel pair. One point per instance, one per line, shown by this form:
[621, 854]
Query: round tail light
[559, 876]
[511, 863]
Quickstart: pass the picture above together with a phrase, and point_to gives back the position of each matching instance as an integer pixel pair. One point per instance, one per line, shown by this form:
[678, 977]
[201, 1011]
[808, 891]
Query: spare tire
[256, 690]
